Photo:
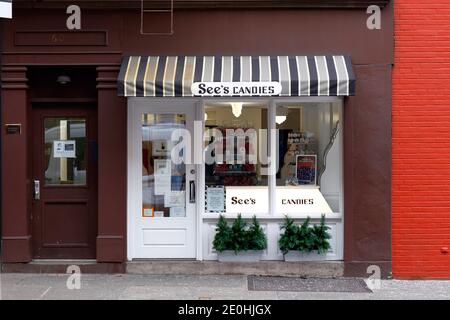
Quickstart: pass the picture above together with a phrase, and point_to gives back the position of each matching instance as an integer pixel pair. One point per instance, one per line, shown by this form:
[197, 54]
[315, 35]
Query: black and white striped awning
[6, 9]
[181, 76]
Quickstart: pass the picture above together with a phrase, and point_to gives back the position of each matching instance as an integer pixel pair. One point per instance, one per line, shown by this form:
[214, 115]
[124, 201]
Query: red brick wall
[421, 140]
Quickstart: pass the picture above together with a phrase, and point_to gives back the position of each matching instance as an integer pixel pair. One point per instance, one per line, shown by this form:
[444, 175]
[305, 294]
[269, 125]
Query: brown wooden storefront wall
[107, 35]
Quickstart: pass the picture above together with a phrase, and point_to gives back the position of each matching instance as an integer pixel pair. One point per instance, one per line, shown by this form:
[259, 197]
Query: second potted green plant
[239, 242]
[304, 242]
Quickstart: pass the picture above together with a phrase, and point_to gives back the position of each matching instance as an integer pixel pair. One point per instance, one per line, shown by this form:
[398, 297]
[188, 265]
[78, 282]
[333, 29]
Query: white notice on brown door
[64, 149]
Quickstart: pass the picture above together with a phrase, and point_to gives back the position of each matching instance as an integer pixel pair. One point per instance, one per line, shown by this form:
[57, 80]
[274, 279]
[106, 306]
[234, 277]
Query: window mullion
[273, 156]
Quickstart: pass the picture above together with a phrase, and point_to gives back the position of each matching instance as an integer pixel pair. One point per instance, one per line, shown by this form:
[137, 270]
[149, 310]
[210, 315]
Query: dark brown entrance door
[65, 182]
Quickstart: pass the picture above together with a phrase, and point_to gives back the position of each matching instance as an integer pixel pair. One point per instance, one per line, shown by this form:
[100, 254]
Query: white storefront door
[161, 192]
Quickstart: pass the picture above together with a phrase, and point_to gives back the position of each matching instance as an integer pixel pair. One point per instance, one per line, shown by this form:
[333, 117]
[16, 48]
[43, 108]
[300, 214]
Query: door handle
[37, 190]
[192, 191]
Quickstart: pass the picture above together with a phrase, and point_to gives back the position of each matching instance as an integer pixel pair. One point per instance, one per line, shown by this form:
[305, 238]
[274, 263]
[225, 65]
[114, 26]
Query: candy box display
[237, 172]
[306, 166]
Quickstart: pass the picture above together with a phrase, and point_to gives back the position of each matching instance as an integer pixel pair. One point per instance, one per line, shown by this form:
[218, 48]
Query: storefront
[293, 104]
[122, 146]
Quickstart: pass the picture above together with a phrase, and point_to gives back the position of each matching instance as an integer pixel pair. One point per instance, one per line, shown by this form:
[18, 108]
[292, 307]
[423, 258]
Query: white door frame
[135, 108]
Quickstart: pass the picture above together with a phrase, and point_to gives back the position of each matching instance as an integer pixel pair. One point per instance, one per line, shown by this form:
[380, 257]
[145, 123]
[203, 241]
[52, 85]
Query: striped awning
[181, 76]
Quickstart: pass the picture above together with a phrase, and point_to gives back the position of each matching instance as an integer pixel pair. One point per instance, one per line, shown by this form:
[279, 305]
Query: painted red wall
[421, 140]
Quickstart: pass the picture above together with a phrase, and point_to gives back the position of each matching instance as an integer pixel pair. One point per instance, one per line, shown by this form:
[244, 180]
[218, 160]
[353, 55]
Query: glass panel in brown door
[65, 183]
[65, 151]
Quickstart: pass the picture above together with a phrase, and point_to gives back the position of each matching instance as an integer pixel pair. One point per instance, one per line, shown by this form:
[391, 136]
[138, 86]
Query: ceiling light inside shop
[280, 119]
[281, 115]
[236, 108]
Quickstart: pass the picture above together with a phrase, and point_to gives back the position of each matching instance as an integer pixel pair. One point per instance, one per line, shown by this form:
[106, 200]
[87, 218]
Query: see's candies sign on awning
[6, 9]
[231, 89]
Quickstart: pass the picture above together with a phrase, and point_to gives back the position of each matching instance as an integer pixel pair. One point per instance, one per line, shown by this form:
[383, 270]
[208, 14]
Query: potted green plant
[304, 242]
[239, 242]
[321, 237]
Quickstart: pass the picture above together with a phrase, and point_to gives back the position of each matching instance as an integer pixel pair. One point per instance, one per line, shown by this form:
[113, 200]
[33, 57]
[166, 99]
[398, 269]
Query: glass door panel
[163, 181]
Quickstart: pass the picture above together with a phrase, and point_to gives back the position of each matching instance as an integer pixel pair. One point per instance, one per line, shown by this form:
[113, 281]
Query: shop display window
[307, 148]
[234, 159]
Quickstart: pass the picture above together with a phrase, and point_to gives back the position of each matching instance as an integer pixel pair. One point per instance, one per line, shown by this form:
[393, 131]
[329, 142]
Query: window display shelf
[335, 216]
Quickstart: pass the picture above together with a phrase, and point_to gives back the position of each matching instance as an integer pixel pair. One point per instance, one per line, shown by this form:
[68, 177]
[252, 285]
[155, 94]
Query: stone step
[327, 269]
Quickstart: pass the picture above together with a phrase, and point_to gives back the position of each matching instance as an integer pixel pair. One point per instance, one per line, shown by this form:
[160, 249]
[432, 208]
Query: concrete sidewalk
[47, 286]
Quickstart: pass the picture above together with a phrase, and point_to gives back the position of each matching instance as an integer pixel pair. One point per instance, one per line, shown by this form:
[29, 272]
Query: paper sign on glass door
[162, 176]
[174, 199]
[177, 212]
[64, 149]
